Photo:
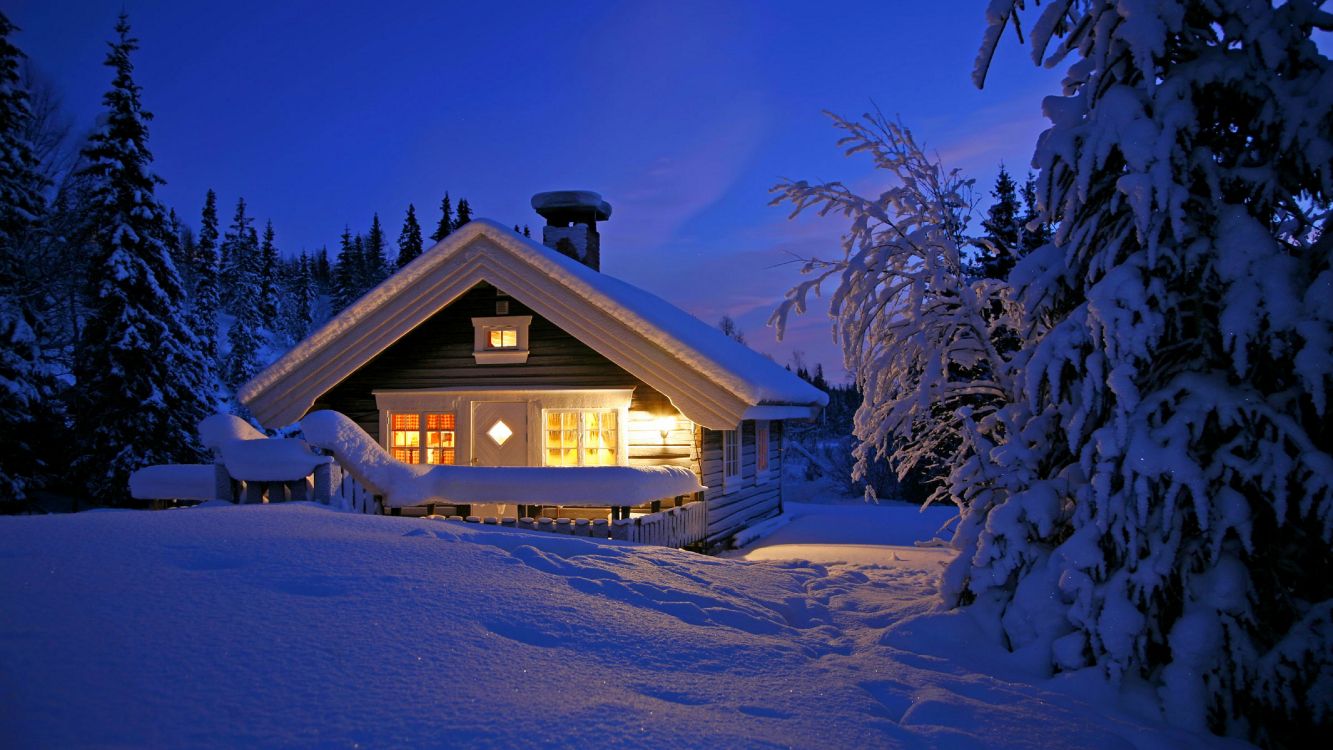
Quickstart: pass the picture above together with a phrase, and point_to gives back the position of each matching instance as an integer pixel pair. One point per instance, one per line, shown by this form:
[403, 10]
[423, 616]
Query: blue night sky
[682, 114]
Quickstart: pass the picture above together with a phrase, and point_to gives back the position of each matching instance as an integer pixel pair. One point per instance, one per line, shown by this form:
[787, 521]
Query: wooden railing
[681, 526]
[349, 494]
[674, 527]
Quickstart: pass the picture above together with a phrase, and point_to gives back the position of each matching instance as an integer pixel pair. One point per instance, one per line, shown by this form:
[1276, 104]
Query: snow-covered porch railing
[252, 468]
[680, 526]
[616, 489]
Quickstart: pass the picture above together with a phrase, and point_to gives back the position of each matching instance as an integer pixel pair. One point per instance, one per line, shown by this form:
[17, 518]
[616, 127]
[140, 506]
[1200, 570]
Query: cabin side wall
[748, 501]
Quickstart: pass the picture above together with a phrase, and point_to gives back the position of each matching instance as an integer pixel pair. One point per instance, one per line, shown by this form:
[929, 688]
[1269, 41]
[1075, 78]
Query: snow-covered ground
[293, 625]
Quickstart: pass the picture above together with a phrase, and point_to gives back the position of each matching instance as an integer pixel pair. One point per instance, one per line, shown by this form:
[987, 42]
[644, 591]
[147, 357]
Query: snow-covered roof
[711, 379]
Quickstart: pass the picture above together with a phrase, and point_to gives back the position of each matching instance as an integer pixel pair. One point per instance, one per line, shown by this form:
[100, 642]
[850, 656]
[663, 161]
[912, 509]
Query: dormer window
[501, 340]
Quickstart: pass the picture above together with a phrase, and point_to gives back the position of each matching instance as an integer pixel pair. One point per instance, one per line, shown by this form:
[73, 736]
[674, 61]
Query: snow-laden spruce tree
[270, 298]
[140, 388]
[25, 375]
[915, 332]
[1167, 514]
[239, 272]
[205, 266]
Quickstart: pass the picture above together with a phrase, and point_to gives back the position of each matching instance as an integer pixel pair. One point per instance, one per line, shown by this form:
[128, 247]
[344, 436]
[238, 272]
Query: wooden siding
[747, 501]
[438, 354]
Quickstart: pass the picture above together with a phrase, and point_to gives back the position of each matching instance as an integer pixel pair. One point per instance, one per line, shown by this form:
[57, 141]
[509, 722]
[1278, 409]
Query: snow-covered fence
[680, 526]
[674, 527]
[349, 494]
[251, 468]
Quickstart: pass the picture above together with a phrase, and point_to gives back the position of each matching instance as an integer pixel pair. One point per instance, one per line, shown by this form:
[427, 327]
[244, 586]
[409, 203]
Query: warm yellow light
[664, 425]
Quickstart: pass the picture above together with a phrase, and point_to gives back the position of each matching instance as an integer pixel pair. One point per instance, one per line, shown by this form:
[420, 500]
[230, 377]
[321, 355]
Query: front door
[500, 433]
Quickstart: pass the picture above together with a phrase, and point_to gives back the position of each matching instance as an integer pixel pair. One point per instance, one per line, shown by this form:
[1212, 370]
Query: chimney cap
[571, 205]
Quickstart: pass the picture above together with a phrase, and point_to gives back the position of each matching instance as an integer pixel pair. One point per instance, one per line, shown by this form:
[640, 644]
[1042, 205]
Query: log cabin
[491, 349]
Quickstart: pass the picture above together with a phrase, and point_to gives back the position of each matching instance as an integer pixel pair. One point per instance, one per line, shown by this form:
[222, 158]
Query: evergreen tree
[268, 300]
[526, 231]
[245, 341]
[346, 273]
[303, 297]
[323, 271]
[376, 259]
[205, 267]
[446, 224]
[361, 267]
[1000, 247]
[1163, 509]
[409, 240]
[239, 274]
[140, 374]
[1036, 230]
[25, 378]
[464, 213]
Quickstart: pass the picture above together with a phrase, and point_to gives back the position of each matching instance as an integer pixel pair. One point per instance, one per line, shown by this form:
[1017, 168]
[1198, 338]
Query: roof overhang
[540, 279]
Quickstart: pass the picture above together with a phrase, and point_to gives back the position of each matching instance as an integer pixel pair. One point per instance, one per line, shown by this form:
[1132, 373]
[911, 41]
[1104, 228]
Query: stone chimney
[571, 223]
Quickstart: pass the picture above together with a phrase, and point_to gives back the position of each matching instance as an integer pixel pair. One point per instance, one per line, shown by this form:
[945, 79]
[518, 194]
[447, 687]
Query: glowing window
[581, 437]
[502, 338]
[409, 432]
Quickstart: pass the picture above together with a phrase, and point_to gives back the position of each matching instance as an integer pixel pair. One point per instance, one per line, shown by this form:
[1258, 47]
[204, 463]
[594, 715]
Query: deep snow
[295, 625]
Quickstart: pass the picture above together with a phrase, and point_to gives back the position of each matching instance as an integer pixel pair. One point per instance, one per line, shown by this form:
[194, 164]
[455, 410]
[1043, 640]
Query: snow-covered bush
[1168, 513]
[916, 333]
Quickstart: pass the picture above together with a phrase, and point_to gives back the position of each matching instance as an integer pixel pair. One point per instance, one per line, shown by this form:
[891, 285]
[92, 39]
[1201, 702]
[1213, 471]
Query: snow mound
[270, 459]
[223, 428]
[403, 485]
[173, 482]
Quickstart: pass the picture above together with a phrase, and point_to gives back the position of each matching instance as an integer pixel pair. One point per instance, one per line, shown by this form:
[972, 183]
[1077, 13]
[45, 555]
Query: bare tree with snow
[916, 334]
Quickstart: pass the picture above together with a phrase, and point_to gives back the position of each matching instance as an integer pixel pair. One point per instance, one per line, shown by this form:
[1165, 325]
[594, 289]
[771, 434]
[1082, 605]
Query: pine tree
[268, 299]
[140, 375]
[205, 268]
[346, 273]
[1000, 247]
[244, 340]
[376, 259]
[323, 271]
[1036, 231]
[303, 298]
[239, 276]
[526, 231]
[446, 224]
[409, 240]
[25, 378]
[1165, 506]
[464, 214]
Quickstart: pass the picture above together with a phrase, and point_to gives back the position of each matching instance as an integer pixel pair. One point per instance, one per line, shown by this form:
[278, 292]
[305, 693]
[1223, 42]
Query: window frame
[581, 433]
[485, 354]
[422, 446]
[763, 469]
[732, 481]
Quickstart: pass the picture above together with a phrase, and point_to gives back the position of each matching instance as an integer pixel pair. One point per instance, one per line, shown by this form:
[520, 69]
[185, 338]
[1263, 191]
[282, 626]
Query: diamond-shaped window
[499, 432]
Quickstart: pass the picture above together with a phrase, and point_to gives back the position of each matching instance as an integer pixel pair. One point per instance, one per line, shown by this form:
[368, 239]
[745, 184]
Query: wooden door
[500, 433]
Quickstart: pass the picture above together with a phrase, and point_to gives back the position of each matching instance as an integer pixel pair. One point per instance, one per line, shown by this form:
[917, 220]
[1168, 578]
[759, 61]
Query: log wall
[749, 500]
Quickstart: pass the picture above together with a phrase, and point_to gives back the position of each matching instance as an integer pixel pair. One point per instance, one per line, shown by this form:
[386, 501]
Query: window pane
[406, 421]
[502, 338]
